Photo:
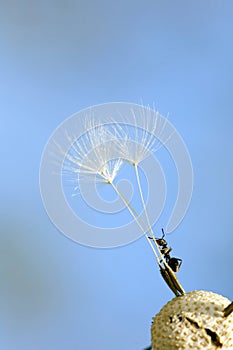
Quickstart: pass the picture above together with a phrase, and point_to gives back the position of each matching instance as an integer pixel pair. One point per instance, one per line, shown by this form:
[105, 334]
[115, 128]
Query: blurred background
[58, 57]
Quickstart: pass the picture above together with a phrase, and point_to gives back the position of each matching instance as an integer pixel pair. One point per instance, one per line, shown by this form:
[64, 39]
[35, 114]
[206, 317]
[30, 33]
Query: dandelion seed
[98, 156]
[136, 144]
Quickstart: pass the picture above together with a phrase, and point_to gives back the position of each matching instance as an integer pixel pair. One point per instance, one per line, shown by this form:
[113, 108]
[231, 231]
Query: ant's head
[161, 241]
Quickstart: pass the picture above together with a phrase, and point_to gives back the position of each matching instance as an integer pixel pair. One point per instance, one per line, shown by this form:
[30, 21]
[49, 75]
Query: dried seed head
[194, 320]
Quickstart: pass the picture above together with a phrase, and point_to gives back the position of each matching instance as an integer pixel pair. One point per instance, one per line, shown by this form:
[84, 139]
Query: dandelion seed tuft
[93, 157]
[138, 142]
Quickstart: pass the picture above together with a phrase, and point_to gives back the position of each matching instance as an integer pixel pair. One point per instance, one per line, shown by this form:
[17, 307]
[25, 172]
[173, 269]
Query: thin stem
[136, 218]
[144, 208]
[136, 214]
[166, 272]
[142, 198]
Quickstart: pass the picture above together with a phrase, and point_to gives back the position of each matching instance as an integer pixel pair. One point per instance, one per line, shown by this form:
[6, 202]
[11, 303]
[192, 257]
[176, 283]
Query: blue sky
[58, 58]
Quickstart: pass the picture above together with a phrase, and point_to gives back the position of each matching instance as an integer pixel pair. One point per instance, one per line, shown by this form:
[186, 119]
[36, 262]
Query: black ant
[174, 263]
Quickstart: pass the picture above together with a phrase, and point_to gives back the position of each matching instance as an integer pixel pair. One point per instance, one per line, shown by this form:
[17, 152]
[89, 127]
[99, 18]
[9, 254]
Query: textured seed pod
[195, 321]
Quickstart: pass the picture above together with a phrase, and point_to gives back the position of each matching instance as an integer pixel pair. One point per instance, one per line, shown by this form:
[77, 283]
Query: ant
[174, 263]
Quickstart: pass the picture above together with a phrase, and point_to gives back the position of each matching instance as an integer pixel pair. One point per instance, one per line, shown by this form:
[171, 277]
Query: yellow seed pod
[195, 321]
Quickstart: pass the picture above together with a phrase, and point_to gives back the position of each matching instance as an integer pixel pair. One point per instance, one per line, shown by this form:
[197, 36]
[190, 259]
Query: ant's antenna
[163, 232]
